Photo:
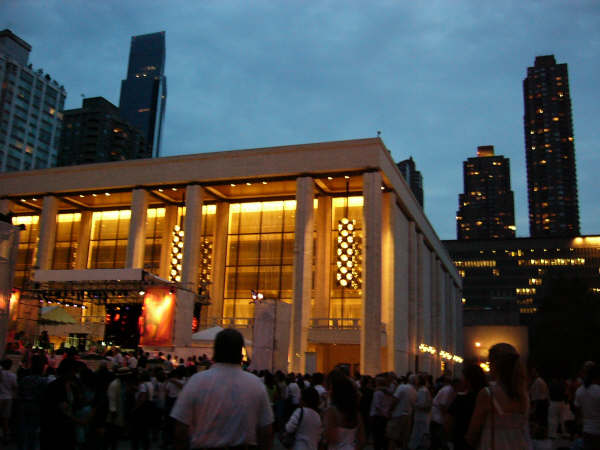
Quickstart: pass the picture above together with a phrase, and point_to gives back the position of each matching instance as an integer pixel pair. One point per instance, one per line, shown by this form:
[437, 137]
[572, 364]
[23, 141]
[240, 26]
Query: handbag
[288, 439]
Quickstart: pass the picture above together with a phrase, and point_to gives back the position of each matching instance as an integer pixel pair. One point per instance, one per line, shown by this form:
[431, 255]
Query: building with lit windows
[486, 209]
[31, 105]
[144, 91]
[504, 280]
[550, 150]
[413, 177]
[96, 133]
[327, 231]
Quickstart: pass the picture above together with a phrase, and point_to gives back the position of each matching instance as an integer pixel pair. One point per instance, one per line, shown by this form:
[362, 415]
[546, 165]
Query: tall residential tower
[144, 92]
[31, 105]
[550, 150]
[486, 209]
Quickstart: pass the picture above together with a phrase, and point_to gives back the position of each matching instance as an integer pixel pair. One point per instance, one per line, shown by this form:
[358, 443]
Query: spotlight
[142, 292]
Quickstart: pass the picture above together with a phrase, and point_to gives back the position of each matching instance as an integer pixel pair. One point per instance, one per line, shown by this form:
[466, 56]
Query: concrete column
[184, 303]
[45, 250]
[167, 238]
[137, 229]
[303, 256]
[370, 330]
[459, 337]
[425, 294]
[395, 301]
[83, 242]
[217, 288]
[184, 313]
[192, 227]
[443, 310]
[4, 206]
[323, 258]
[413, 262]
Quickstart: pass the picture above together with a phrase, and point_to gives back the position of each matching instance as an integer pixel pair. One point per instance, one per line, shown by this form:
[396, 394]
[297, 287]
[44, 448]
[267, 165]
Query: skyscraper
[144, 92]
[96, 133]
[413, 177]
[31, 105]
[486, 210]
[550, 150]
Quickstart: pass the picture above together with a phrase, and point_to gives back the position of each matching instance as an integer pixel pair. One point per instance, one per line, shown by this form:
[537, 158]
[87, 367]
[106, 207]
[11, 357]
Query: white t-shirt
[147, 387]
[223, 406]
[8, 385]
[308, 434]
[174, 386]
[132, 362]
[294, 393]
[588, 399]
[407, 397]
[441, 402]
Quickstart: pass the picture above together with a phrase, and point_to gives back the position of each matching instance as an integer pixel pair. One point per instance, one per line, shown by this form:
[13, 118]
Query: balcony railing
[331, 323]
[335, 323]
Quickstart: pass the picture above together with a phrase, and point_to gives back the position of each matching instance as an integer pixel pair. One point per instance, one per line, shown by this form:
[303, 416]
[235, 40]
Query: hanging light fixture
[206, 263]
[176, 254]
[348, 251]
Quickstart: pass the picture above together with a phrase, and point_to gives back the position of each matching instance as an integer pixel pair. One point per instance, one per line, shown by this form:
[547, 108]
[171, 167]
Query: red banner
[156, 321]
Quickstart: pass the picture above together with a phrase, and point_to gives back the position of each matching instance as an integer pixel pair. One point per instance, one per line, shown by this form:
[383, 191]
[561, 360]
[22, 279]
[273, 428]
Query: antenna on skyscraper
[378, 133]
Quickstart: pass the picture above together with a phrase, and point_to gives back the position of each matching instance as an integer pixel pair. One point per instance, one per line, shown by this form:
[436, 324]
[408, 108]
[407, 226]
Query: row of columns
[404, 287]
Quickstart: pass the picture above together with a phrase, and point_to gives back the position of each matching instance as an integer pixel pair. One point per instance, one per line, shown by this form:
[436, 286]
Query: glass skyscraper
[550, 150]
[144, 92]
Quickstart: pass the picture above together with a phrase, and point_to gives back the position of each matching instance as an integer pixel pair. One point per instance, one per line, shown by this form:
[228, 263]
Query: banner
[156, 321]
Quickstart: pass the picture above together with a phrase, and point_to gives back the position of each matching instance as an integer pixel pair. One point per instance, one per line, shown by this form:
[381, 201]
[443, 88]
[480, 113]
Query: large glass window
[260, 255]
[205, 264]
[108, 240]
[155, 218]
[67, 235]
[28, 239]
[345, 303]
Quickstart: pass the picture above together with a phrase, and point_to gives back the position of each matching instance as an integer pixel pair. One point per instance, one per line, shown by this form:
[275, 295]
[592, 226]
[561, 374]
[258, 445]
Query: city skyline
[437, 81]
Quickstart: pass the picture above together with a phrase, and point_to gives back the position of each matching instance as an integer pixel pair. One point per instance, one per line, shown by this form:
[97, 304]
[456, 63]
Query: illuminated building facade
[96, 133]
[486, 208]
[144, 91]
[31, 109]
[550, 150]
[504, 279]
[346, 246]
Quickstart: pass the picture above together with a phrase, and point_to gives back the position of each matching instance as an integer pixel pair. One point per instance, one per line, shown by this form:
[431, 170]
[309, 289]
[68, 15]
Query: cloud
[438, 78]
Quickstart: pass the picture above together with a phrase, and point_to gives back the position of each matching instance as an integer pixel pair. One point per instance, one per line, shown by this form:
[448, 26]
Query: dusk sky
[438, 78]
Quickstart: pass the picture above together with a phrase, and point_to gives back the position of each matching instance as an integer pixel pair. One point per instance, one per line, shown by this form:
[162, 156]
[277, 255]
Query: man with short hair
[224, 407]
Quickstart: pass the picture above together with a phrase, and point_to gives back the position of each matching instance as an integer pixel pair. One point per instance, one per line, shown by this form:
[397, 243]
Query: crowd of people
[57, 401]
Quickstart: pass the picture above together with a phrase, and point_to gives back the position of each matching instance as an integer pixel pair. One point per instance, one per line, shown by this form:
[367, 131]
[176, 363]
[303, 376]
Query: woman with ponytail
[500, 419]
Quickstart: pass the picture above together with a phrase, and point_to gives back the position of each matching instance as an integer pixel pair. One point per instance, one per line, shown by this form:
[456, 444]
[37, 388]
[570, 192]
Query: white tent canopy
[209, 334]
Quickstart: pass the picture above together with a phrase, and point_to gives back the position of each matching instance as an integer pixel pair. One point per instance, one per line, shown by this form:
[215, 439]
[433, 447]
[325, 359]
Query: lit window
[143, 109]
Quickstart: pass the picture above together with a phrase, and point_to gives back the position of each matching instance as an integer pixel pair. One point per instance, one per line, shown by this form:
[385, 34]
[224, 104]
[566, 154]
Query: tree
[566, 330]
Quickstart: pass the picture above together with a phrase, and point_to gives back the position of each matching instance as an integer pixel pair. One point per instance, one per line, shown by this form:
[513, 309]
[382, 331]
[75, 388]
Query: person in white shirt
[132, 361]
[305, 422]
[224, 406]
[403, 405]
[587, 400]
[318, 380]
[293, 393]
[8, 392]
[439, 409]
